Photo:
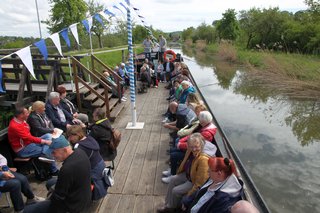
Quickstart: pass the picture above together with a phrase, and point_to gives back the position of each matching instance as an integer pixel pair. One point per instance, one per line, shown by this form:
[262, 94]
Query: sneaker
[166, 120]
[155, 86]
[124, 100]
[36, 199]
[167, 173]
[166, 179]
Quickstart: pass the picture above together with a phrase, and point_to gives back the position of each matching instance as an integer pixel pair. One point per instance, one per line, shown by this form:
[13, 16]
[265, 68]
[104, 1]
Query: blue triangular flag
[98, 18]
[42, 48]
[86, 25]
[1, 88]
[109, 13]
[140, 16]
[135, 8]
[64, 34]
[123, 6]
[118, 9]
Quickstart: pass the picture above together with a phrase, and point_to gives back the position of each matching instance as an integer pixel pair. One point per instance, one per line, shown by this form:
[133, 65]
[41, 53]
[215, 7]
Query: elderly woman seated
[192, 173]
[205, 127]
[69, 106]
[221, 192]
[38, 121]
[144, 80]
[101, 130]
[90, 146]
[187, 88]
[60, 117]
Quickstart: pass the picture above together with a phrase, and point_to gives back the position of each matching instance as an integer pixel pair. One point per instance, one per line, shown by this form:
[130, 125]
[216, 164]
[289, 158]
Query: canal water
[277, 139]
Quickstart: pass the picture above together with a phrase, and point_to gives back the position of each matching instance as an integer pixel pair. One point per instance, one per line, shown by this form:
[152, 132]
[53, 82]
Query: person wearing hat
[72, 191]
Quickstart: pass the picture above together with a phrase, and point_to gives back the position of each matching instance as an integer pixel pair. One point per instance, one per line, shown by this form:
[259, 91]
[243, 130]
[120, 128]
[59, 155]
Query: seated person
[23, 143]
[144, 81]
[184, 116]
[90, 146]
[38, 121]
[60, 117]
[187, 88]
[192, 173]
[124, 74]
[72, 191]
[243, 206]
[222, 190]
[69, 106]
[16, 183]
[101, 130]
[114, 91]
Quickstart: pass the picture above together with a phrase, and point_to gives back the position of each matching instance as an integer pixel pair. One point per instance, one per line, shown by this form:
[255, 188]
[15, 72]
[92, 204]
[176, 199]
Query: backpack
[115, 140]
[41, 169]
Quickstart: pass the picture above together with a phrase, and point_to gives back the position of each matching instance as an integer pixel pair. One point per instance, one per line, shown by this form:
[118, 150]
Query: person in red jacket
[23, 143]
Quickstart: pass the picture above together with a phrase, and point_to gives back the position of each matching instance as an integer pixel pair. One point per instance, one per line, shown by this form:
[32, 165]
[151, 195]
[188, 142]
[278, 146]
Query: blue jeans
[40, 207]
[15, 186]
[37, 150]
[176, 156]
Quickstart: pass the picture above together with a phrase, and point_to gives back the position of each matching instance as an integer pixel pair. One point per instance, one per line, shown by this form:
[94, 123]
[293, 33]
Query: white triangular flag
[26, 58]
[56, 40]
[90, 22]
[74, 32]
[104, 15]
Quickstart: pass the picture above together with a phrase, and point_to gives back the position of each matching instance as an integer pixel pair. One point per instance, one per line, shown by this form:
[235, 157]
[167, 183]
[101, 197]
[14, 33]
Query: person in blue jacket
[187, 88]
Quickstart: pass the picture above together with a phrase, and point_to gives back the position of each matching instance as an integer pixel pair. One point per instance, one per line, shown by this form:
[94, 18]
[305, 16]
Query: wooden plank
[85, 90]
[93, 96]
[144, 204]
[116, 111]
[110, 203]
[127, 204]
[125, 163]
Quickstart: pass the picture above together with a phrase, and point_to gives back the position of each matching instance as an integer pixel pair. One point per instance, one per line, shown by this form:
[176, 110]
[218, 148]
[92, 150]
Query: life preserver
[170, 52]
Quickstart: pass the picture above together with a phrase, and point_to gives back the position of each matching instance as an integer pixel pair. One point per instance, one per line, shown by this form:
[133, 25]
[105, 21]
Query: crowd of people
[199, 179]
[56, 132]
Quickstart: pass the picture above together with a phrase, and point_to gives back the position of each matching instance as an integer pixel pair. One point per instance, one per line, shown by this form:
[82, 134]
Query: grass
[294, 75]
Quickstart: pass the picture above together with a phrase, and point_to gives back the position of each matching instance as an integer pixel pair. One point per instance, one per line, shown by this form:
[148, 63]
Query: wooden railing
[77, 64]
[115, 75]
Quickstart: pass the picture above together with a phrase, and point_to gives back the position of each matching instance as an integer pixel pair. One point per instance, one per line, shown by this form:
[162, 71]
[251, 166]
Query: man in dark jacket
[168, 68]
[60, 117]
[72, 191]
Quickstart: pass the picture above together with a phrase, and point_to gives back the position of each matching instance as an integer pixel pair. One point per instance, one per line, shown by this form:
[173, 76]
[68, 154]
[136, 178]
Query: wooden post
[92, 62]
[122, 51]
[50, 82]
[76, 82]
[21, 86]
[106, 101]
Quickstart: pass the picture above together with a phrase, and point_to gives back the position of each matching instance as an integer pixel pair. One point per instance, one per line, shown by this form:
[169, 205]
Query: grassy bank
[295, 75]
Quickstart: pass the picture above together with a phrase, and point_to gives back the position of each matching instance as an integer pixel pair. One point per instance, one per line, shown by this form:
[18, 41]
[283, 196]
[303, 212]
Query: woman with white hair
[192, 173]
[207, 130]
[187, 88]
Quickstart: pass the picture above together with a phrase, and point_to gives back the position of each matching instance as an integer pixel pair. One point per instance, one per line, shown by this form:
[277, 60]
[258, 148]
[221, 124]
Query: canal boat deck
[140, 160]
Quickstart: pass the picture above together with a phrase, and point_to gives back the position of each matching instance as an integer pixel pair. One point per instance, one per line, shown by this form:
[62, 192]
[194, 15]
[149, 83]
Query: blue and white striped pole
[131, 70]
[134, 124]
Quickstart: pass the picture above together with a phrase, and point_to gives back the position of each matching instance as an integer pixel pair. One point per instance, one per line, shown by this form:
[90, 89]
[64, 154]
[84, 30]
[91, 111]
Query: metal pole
[131, 70]
[91, 43]
[38, 18]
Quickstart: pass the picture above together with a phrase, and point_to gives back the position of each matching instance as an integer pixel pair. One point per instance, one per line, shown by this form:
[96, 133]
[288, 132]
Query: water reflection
[270, 133]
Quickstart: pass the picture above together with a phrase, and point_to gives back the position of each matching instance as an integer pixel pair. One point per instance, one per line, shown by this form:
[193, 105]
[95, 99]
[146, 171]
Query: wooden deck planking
[144, 204]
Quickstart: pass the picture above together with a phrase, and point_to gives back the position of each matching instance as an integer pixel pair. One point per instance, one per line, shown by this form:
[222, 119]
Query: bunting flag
[109, 13]
[74, 31]
[135, 8]
[26, 58]
[126, 8]
[104, 15]
[98, 18]
[128, 2]
[41, 45]
[56, 40]
[87, 24]
[64, 34]
[1, 88]
[118, 9]
[140, 16]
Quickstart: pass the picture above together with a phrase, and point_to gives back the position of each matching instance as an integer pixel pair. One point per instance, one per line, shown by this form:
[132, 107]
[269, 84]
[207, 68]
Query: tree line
[65, 13]
[270, 29]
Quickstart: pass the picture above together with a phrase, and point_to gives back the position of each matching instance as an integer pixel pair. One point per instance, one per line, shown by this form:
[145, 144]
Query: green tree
[228, 26]
[187, 33]
[63, 13]
[248, 24]
[97, 28]
[139, 33]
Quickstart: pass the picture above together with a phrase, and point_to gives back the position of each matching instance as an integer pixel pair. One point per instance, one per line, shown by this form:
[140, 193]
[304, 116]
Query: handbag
[108, 176]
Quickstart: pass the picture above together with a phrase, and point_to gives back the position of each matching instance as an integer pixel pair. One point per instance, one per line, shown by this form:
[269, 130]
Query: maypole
[133, 124]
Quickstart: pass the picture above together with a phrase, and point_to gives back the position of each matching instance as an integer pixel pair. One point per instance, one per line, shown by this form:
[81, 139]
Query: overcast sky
[19, 17]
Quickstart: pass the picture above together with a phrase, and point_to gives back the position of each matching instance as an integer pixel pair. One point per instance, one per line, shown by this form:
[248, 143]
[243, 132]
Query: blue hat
[59, 142]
